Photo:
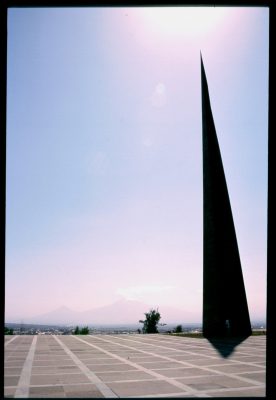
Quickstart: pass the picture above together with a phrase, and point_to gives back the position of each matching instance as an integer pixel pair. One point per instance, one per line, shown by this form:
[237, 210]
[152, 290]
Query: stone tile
[188, 357]
[83, 387]
[236, 368]
[206, 362]
[258, 376]
[143, 388]
[51, 391]
[112, 367]
[12, 371]
[47, 396]
[224, 381]
[80, 391]
[41, 363]
[43, 370]
[205, 386]
[160, 364]
[18, 364]
[209, 353]
[98, 361]
[261, 363]
[14, 358]
[142, 359]
[9, 392]
[58, 379]
[74, 378]
[89, 395]
[67, 368]
[250, 359]
[89, 356]
[53, 368]
[254, 392]
[182, 372]
[67, 361]
[122, 355]
[85, 355]
[11, 380]
[50, 357]
[45, 380]
[123, 376]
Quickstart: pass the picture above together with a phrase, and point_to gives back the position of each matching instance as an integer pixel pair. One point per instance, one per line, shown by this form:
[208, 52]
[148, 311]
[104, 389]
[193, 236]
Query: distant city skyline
[104, 153]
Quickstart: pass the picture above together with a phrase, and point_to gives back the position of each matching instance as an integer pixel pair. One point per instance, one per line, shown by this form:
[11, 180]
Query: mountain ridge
[120, 312]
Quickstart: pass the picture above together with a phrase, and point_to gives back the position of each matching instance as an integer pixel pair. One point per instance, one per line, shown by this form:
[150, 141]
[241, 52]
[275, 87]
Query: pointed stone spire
[225, 310]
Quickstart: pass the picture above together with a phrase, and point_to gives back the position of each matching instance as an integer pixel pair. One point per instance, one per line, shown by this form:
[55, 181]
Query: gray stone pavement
[131, 366]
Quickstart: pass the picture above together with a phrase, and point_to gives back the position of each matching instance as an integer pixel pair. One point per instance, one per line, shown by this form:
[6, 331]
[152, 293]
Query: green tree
[84, 331]
[150, 323]
[77, 331]
[8, 331]
[178, 329]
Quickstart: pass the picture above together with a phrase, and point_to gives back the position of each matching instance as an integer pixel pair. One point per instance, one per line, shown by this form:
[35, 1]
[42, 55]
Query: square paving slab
[110, 366]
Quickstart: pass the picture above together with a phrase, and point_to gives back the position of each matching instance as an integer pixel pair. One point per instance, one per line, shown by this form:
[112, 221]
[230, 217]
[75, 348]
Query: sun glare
[190, 21]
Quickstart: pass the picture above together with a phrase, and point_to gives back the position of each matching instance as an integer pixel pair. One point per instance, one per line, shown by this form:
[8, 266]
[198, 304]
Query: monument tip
[201, 59]
[202, 65]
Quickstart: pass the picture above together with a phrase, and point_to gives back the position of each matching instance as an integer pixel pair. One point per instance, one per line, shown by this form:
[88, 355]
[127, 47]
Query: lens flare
[190, 21]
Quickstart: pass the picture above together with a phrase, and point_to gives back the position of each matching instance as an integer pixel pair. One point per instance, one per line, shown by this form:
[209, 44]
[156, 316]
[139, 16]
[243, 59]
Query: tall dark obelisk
[225, 310]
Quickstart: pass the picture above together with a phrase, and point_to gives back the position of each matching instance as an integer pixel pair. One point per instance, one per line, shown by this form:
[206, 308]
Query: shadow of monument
[225, 346]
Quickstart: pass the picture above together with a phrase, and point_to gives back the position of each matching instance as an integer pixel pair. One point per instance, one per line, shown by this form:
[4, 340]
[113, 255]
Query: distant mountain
[60, 316]
[120, 312]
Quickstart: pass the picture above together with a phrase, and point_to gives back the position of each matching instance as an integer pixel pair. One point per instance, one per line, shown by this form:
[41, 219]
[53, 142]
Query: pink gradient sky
[104, 153]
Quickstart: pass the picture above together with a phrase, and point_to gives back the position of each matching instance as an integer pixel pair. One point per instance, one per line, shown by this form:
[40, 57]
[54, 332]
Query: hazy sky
[104, 153]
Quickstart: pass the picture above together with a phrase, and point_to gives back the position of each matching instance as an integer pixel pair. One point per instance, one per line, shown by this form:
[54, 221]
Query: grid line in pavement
[103, 388]
[140, 368]
[11, 340]
[23, 385]
[189, 364]
[132, 366]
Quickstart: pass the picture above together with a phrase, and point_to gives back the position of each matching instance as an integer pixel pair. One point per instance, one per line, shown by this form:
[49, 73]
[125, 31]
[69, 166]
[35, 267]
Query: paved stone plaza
[131, 366]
